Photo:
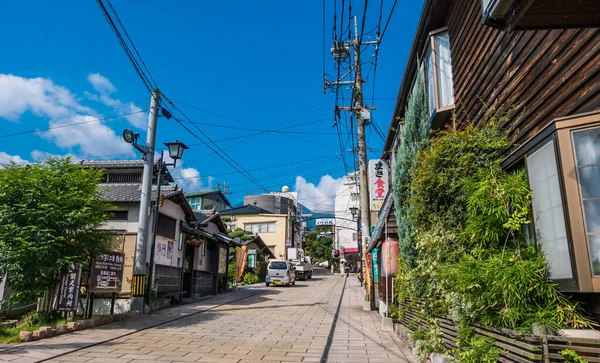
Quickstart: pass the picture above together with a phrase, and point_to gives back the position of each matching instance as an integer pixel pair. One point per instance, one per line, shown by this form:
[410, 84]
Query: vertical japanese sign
[68, 293]
[107, 272]
[378, 183]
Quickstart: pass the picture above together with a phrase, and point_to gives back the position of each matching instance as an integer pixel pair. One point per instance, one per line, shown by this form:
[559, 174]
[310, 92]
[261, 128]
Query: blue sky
[242, 65]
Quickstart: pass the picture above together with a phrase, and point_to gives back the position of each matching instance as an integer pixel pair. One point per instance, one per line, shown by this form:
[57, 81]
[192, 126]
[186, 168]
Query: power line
[145, 79]
[388, 20]
[69, 125]
[234, 164]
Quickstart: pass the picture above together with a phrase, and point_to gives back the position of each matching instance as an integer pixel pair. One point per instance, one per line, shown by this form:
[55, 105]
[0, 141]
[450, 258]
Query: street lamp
[175, 152]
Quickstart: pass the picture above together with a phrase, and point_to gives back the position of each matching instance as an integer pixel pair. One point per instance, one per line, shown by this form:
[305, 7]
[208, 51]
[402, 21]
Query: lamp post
[175, 152]
[355, 214]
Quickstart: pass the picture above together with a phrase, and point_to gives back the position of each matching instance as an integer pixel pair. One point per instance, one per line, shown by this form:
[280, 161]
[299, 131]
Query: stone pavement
[302, 323]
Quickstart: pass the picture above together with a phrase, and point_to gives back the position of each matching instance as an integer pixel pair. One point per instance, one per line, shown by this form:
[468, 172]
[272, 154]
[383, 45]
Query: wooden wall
[543, 74]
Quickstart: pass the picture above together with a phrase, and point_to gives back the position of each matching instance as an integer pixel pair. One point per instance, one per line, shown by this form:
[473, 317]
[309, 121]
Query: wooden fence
[514, 346]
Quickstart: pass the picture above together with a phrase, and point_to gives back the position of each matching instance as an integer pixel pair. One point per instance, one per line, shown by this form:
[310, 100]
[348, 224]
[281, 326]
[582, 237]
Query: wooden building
[539, 60]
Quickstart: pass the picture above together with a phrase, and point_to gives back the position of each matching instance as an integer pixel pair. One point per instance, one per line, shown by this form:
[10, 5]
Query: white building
[346, 235]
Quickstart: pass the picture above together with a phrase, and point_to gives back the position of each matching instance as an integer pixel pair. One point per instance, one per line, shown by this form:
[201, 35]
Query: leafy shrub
[572, 356]
[477, 350]
[36, 318]
[249, 278]
[468, 255]
[231, 273]
[261, 270]
[511, 290]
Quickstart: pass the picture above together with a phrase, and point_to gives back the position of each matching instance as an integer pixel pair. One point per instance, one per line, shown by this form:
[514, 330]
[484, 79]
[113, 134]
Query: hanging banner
[68, 293]
[375, 264]
[378, 183]
[241, 254]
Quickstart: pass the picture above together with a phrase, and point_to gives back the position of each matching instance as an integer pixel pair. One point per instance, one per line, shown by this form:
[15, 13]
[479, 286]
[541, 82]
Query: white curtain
[444, 70]
[548, 214]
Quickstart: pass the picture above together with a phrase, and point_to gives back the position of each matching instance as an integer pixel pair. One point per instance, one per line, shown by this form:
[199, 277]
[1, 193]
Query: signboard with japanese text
[325, 222]
[222, 260]
[68, 293]
[378, 183]
[107, 272]
[251, 258]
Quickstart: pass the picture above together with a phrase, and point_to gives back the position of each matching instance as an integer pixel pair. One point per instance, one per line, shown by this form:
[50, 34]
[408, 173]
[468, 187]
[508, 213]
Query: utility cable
[69, 125]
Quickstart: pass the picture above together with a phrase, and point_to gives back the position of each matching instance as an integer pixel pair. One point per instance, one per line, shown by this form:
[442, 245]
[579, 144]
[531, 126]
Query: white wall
[131, 224]
[172, 210]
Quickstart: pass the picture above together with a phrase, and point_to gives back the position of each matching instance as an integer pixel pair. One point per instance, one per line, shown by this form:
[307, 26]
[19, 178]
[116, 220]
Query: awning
[381, 219]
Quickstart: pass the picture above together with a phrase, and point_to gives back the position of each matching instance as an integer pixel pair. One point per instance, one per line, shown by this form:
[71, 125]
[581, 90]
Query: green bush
[477, 350]
[249, 278]
[38, 318]
[261, 270]
[572, 356]
[231, 273]
[468, 253]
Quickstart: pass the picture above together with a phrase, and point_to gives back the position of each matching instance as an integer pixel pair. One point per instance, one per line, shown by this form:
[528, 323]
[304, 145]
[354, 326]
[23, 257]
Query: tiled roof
[132, 192]
[246, 209]
[113, 164]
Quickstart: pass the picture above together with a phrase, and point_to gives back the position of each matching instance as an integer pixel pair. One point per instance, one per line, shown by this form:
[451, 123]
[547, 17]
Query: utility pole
[340, 51]
[139, 269]
[224, 188]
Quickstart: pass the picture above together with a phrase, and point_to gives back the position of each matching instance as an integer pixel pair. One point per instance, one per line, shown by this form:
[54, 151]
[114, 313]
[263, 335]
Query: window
[278, 265]
[195, 202]
[265, 227]
[166, 226]
[586, 144]
[118, 215]
[563, 167]
[438, 73]
[548, 212]
[181, 240]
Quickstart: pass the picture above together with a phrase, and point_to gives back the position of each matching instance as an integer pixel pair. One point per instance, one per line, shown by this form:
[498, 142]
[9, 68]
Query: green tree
[50, 216]
[415, 132]
[318, 246]
[241, 234]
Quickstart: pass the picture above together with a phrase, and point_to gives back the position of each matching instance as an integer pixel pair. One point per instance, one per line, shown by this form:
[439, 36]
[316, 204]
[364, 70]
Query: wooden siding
[542, 74]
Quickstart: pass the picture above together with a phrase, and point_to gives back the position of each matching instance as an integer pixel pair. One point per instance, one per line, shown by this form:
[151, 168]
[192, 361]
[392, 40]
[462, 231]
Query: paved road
[310, 322]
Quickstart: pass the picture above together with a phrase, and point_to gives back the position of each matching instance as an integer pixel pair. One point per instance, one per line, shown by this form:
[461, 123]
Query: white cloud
[41, 156]
[321, 197]
[7, 159]
[104, 87]
[37, 95]
[43, 98]
[101, 83]
[211, 180]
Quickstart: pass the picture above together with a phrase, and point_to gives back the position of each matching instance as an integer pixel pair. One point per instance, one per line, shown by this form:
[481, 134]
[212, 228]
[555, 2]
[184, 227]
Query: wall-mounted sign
[378, 183]
[68, 293]
[325, 222]
[107, 272]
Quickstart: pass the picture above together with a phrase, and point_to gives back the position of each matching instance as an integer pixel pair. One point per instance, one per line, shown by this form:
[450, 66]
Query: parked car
[280, 272]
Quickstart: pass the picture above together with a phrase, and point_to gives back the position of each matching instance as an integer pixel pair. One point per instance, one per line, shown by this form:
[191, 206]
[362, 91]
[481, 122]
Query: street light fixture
[353, 210]
[176, 150]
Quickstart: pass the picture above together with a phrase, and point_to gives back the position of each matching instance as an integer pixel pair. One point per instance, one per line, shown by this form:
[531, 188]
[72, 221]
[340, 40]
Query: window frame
[430, 47]
[561, 132]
